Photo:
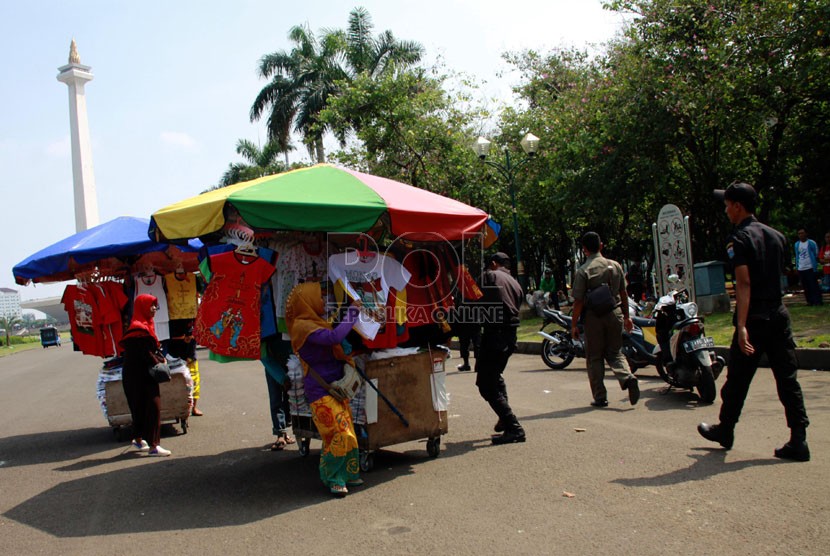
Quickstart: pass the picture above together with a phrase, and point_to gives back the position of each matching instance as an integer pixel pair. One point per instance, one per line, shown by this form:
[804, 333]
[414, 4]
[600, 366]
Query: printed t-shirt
[368, 279]
[228, 319]
[182, 299]
[82, 309]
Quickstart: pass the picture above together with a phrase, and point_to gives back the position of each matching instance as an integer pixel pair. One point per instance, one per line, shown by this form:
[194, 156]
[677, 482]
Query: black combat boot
[722, 434]
[796, 449]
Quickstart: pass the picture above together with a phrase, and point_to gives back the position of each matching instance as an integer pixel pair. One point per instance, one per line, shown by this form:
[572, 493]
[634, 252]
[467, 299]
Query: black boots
[513, 431]
[796, 449]
[723, 435]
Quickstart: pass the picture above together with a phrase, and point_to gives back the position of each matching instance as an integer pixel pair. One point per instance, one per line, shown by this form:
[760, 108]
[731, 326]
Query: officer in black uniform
[762, 324]
[500, 320]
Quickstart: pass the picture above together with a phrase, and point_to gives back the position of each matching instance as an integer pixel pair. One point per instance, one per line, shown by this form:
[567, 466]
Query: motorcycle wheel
[706, 385]
[558, 356]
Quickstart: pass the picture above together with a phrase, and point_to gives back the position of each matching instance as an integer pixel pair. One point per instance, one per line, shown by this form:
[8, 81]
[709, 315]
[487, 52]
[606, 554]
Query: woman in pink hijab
[140, 344]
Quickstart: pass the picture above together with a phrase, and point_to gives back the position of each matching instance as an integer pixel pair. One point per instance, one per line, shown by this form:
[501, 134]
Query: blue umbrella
[110, 246]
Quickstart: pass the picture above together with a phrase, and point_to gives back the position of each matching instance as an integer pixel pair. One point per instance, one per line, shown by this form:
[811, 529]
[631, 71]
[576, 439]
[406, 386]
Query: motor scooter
[683, 348]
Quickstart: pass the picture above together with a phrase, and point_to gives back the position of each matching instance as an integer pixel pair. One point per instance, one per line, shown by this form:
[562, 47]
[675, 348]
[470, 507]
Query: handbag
[160, 371]
[350, 383]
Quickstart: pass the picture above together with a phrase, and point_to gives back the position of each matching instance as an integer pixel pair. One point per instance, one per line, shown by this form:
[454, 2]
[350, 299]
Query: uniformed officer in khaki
[603, 334]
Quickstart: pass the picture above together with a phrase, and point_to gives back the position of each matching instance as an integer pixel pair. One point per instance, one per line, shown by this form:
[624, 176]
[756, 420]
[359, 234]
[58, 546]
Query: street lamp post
[530, 144]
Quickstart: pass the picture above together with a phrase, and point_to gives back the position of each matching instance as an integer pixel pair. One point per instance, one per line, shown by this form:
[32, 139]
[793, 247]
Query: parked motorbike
[683, 348]
[559, 348]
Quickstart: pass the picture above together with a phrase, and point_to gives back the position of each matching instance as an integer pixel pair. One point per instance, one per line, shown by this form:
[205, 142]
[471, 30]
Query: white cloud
[60, 149]
[178, 139]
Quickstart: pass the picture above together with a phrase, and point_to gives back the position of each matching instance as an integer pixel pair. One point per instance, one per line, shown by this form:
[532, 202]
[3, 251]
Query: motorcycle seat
[643, 322]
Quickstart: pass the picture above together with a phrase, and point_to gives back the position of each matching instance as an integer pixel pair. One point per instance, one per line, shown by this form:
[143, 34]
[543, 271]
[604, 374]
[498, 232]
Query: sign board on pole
[672, 245]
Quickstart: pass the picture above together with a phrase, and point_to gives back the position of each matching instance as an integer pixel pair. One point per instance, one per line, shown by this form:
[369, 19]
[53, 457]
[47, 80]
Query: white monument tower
[75, 76]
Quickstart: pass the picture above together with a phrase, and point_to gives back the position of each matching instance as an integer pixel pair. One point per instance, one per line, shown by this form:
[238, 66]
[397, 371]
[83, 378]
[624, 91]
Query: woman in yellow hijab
[318, 346]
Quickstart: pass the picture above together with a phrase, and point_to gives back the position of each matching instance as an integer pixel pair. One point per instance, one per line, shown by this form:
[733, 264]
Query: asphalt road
[620, 480]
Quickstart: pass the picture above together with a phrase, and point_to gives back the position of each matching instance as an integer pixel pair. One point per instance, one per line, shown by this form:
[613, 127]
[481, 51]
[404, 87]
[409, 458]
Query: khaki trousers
[603, 343]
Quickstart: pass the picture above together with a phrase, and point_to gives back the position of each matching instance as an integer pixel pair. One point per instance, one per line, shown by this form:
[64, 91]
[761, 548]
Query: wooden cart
[407, 382]
[175, 404]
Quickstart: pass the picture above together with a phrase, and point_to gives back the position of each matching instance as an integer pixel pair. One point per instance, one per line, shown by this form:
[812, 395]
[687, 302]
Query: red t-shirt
[825, 254]
[228, 320]
[84, 319]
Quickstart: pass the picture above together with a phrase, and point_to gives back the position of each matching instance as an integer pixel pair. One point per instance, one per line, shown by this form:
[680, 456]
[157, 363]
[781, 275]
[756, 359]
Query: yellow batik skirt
[339, 461]
[193, 367]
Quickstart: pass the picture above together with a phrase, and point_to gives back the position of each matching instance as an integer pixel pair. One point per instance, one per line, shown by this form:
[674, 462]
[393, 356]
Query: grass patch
[18, 344]
[811, 326]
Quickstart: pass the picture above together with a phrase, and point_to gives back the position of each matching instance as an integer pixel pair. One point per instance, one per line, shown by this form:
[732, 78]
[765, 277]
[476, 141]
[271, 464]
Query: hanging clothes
[369, 278]
[182, 297]
[154, 285]
[84, 317]
[228, 320]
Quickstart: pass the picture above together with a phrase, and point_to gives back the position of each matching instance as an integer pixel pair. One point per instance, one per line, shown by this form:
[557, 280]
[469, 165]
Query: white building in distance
[10, 303]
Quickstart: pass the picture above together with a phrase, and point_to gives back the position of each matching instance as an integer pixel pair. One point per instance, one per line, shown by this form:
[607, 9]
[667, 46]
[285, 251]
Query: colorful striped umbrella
[321, 198]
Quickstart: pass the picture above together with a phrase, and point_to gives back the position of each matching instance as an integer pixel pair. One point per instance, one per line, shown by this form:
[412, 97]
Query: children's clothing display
[228, 321]
[182, 297]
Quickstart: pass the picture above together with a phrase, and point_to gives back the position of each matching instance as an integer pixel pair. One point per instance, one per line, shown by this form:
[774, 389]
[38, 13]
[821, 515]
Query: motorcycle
[559, 348]
[685, 352]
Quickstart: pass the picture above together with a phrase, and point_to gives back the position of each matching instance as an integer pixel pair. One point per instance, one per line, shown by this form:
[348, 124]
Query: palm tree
[260, 162]
[367, 55]
[301, 82]
[303, 79]
[7, 323]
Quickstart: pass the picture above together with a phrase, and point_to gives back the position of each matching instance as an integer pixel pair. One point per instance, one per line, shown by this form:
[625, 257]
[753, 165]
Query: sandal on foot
[278, 445]
[288, 439]
[339, 490]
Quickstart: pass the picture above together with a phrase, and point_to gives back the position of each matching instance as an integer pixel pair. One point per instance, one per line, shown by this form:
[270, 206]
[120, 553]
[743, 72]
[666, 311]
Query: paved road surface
[642, 480]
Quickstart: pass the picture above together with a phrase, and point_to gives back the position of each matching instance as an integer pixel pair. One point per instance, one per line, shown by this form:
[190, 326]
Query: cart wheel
[184, 426]
[367, 461]
[304, 446]
[434, 446]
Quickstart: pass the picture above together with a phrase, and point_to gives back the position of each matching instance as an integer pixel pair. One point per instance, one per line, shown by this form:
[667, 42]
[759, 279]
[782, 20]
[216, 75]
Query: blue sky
[174, 82]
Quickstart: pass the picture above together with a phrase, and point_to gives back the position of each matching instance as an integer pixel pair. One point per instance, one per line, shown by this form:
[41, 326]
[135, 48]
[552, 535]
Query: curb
[810, 359]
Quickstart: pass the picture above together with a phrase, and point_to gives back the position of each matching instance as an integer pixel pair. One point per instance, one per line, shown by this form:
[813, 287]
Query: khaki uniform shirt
[596, 270]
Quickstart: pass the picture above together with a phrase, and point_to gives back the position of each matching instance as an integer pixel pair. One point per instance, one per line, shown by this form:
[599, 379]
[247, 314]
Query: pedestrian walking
[806, 261]
[599, 291]
[762, 325]
[502, 299]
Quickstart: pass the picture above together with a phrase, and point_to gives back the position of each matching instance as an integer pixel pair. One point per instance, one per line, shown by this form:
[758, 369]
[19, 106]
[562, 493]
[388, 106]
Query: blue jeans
[812, 293]
[278, 401]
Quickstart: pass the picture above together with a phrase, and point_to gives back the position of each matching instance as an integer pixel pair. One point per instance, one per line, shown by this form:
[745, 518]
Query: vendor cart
[410, 383]
[175, 404]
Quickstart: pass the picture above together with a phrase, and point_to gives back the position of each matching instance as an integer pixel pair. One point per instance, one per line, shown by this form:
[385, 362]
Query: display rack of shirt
[182, 297]
[153, 284]
[297, 261]
[228, 320]
[368, 278]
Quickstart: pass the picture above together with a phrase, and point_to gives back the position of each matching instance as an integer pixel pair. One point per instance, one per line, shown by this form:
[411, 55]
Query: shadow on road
[231, 488]
[711, 462]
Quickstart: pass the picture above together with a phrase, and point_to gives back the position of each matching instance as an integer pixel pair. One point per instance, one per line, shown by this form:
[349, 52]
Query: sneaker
[464, 367]
[717, 433]
[159, 452]
[601, 402]
[140, 446]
